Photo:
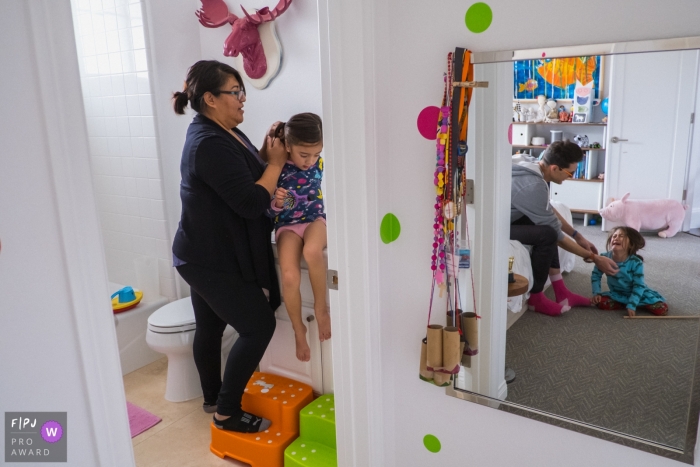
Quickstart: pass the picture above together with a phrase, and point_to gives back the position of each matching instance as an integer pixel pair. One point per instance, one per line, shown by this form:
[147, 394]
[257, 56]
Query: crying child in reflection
[627, 287]
[300, 223]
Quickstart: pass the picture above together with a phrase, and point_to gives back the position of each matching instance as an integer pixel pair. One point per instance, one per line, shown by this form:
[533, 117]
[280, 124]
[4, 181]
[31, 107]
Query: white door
[652, 98]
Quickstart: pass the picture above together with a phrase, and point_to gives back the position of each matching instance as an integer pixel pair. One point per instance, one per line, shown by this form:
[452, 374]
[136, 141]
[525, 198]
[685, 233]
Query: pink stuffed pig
[647, 214]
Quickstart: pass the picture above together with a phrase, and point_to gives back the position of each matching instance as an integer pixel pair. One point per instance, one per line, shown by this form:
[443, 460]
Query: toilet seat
[175, 317]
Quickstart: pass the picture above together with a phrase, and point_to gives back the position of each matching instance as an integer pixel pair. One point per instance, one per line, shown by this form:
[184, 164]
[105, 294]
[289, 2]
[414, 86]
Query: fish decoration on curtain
[555, 78]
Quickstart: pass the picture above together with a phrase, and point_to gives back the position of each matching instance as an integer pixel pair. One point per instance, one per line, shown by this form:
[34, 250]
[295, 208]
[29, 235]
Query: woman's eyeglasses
[240, 94]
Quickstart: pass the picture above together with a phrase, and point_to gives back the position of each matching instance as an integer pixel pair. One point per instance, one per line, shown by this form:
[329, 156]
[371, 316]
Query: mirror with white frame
[631, 381]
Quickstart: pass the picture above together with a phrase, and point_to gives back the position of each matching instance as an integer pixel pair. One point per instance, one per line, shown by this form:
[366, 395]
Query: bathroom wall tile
[120, 202]
[134, 225]
[118, 84]
[167, 287]
[93, 83]
[125, 147]
[105, 83]
[132, 105]
[135, 14]
[115, 166]
[152, 168]
[135, 127]
[88, 46]
[150, 246]
[142, 187]
[149, 147]
[163, 249]
[103, 66]
[112, 37]
[141, 61]
[120, 108]
[122, 126]
[156, 189]
[137, 147]
[91, 68]
[132, 202]
[131, 190]
[127, 163]
[158, 207]
[110, 238]
[115, 62]
[124, 242]
[144, 208]
[141, 168]
[165, 267]
[162, 229]
[108, 105]
[150, 228]
[139, 245]
[128, 62]
[143, 83]
[98, 23]
[84, 24]
[108, 6]
[112, 141]
[148, 127]
[146, 106]
[110, 221]
[130, 83]
[138, 38]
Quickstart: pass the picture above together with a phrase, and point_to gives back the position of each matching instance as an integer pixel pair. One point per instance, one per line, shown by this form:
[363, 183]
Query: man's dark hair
[562, 154]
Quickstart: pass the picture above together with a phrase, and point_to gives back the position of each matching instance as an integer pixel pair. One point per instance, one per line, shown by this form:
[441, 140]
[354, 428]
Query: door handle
[615, 139]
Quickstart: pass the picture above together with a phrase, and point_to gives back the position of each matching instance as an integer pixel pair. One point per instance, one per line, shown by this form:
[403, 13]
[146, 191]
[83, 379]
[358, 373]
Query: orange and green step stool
[315, 446]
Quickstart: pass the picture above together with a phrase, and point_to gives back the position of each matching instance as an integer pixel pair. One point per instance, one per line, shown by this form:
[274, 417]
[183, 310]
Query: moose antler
[265, 15]
[214, 13]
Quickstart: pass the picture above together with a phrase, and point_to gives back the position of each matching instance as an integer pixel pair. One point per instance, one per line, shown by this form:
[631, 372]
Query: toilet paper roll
[424, 373]
[434, 357]
[470, 327]
[147, 279]
[442, 379]
[451, 355]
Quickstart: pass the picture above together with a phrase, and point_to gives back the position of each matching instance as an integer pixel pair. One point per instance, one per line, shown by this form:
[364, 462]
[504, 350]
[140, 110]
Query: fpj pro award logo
[36, 437]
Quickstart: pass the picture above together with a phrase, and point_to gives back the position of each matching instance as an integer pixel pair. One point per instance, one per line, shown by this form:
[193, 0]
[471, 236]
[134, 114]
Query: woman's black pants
[545, 253]
[221, 298]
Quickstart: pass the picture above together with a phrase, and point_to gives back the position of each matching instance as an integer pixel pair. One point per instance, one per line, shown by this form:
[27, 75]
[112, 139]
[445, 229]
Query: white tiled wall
[124, 154]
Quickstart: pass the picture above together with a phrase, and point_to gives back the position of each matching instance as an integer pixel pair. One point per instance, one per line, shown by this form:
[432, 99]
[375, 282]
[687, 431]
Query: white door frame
[347, 77]
[56, 61]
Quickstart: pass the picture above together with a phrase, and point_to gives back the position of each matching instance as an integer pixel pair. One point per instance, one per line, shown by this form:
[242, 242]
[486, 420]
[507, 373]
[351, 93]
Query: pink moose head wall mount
[253, 38]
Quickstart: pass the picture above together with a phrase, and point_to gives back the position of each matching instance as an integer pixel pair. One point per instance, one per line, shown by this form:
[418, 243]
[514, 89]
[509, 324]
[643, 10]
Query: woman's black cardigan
[223, 224]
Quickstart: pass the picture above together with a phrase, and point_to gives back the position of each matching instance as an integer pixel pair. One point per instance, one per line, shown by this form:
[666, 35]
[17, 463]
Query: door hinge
[685, 194]
[692, 117]
[469, 192]
[332, 279]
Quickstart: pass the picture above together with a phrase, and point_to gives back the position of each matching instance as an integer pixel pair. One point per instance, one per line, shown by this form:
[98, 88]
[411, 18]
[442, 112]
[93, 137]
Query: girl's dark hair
[303, 128]
[202, 77]
[562, 154]
[634, 238]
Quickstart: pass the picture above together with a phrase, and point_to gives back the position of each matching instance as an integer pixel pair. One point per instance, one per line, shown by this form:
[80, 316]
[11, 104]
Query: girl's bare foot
[324, 324]
[303, 349]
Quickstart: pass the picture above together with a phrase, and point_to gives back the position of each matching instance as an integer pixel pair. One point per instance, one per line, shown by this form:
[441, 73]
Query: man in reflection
[533, 221]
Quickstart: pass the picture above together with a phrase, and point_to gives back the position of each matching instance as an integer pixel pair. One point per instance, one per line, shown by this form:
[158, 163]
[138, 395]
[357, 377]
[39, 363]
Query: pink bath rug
[140, 419]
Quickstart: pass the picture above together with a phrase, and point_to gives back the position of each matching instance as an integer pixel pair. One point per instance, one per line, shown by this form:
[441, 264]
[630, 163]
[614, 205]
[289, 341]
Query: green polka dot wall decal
[431, 443]
[478, 17]
[390, 228]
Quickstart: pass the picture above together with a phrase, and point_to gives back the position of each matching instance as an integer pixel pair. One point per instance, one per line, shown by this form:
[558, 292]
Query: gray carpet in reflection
[631, 376]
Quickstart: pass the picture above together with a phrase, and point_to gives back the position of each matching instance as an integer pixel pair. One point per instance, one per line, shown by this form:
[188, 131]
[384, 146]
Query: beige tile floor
[182, 437]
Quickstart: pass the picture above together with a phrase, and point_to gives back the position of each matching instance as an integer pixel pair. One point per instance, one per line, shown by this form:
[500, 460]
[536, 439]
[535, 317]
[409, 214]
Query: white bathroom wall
[114, 67]
[58, 350]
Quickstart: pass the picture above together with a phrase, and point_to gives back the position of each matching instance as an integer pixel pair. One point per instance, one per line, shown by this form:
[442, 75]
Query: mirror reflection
[607, 332]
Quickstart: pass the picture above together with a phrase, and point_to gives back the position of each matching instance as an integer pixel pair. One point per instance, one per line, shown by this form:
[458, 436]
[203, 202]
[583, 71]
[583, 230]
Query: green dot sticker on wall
[478, 17]
[390, 228]
[431, 443]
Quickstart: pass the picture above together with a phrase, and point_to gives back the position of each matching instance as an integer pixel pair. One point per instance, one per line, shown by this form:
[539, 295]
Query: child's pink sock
[562, 293]
[542, 304]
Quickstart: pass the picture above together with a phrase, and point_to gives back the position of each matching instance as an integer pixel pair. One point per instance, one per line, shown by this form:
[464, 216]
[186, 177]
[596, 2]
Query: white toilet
[171, 332]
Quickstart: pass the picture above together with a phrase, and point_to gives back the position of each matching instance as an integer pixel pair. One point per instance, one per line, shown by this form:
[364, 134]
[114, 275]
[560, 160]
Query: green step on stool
[315, 446]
